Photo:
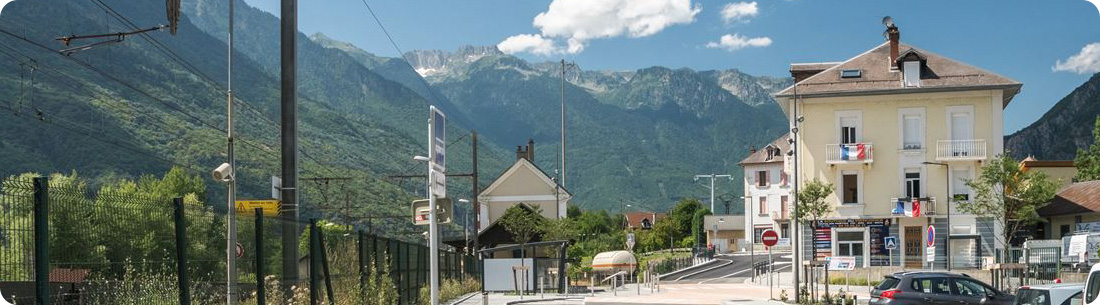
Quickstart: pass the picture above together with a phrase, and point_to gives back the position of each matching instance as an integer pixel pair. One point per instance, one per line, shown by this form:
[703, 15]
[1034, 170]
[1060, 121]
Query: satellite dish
[888, 22]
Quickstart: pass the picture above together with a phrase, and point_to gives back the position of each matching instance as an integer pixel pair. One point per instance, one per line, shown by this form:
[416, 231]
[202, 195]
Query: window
[783, 206]
[959, 190]
[912, 183]
[1065, 230]
[1092, 288]
[961, 126]
[757, 232]
[888, 283]
[911, 130]
[848, 135]
[912, 73]
[762, 178]
[848, 124]
[782, 177]
[850, 244]
[763, 206]
[852, 73]
[1073, 300]
[850, 184]
[784, 230]
[937, 285]
[969, 288]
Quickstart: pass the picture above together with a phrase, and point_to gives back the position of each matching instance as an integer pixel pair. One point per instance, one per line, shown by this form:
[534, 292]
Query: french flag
[851, 152]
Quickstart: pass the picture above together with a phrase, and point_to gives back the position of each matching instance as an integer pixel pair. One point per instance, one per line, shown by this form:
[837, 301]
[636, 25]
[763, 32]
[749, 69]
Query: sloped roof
[634, 219]
[761, 155]
[1081, 197]
[527, 164]
[940, 74]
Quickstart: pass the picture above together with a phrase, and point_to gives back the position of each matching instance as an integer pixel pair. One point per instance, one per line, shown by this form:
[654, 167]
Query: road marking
[739, 272]
[727, 263]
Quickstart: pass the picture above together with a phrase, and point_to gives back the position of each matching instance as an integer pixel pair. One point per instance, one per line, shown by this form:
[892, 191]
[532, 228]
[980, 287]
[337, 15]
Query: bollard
[485, 298]
[638, 283]
[542, 287]
[614, 285]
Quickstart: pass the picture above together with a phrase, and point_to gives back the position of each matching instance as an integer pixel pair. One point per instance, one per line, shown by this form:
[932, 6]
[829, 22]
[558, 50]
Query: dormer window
[911, 70]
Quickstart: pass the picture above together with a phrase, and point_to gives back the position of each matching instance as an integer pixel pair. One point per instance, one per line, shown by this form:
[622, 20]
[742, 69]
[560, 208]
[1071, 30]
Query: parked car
[936, 288]
[1055, 294]
[1092, 286]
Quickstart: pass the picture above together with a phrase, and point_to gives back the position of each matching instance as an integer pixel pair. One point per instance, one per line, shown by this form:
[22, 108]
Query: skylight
[852, 73]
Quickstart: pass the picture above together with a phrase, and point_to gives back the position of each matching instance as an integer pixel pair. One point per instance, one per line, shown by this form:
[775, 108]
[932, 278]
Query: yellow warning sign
[248, 207]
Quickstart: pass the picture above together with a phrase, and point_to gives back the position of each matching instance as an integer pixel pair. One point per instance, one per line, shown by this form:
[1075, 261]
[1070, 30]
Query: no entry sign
[769, 237]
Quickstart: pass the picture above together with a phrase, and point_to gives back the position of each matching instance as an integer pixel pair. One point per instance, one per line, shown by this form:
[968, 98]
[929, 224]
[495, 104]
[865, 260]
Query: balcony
[960, 150]
[913, 207]
[777, 216]
[849, 153]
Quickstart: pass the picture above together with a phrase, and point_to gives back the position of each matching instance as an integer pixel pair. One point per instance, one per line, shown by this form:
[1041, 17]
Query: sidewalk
[784, 281]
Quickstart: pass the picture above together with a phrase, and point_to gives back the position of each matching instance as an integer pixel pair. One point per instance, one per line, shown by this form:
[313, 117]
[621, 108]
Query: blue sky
[1022, 40]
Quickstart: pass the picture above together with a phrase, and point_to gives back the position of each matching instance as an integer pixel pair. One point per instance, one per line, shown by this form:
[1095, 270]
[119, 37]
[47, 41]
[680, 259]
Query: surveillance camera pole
[231, 215]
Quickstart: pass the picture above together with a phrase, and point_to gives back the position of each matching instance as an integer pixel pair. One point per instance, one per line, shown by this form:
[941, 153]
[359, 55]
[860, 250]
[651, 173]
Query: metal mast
[231, 238]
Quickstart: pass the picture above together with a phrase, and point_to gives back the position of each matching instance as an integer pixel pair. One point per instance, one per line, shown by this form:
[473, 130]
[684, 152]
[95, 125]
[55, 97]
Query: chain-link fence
[62, 245]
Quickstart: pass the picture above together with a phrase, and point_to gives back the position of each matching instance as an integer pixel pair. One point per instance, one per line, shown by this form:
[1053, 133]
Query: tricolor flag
[851, 152]
[916, 207]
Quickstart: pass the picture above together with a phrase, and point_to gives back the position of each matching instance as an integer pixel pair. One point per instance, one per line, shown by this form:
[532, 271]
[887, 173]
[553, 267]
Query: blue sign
[931, 236]
[891, 242]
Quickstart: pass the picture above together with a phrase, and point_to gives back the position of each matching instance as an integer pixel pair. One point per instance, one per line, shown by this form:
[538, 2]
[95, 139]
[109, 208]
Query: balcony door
[962, 129]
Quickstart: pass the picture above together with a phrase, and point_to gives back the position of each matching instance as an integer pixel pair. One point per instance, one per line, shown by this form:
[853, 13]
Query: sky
[1050, 46]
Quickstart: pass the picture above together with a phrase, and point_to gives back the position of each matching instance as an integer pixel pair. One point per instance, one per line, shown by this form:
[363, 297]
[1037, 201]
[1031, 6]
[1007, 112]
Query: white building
[768, 199]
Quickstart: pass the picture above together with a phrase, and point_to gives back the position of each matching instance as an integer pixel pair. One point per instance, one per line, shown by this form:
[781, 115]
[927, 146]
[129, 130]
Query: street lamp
[947, 197]
[433, 228]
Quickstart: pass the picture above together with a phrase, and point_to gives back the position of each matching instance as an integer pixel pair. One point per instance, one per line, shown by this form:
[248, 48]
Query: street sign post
[248, 207]
[444, 211]
[930, 252]
[437, 189]
[891, 242]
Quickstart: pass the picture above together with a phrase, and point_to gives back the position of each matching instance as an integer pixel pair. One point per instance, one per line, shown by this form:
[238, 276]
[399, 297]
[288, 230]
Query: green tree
[523, 222]
[698, 232]
[1008, 195]
[811, 201]
[683, 214]
[1088, 161]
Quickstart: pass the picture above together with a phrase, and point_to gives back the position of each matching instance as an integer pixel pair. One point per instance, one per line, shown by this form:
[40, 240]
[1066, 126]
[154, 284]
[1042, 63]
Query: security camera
[224, 172]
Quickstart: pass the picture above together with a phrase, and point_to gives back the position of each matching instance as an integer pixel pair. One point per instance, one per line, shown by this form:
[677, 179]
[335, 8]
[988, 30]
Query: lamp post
[433, 233]
[622, 212]
[947, 197]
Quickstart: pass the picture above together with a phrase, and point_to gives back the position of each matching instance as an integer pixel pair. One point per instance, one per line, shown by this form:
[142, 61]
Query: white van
[1092, 286]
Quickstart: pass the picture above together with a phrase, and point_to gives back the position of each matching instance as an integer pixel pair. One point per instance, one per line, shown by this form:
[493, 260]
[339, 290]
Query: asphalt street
[734, 268]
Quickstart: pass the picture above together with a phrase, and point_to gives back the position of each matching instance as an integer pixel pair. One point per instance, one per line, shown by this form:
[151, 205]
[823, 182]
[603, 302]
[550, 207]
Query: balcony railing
[913, 207]
[960, 150]
[776, 215]
[849, 153]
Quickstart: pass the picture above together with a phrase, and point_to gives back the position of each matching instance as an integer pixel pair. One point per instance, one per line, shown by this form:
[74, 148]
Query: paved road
[736, 269]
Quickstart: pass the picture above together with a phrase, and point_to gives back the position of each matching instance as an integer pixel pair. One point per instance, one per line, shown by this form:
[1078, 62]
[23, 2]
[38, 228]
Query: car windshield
[887, 283]
[1032, 297]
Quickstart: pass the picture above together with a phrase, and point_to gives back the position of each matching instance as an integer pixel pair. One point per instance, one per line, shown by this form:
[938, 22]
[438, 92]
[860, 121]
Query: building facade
[768, 199]
[897, 130]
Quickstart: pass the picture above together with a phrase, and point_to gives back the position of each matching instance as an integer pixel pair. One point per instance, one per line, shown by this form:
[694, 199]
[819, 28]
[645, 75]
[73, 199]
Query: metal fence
[61, 245]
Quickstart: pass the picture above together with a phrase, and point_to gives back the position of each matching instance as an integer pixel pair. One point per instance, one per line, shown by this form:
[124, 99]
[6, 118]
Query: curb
[464, 298]
[542, 300]
[684, 269]
[728, 262]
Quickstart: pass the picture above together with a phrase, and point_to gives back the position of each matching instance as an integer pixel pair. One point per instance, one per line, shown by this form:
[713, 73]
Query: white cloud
[530, 43]
[734, 42]
[579, 21]
[738, 11]
[1085, 62]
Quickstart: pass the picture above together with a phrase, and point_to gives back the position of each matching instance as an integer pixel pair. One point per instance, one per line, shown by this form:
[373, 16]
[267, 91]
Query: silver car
[1055, 294]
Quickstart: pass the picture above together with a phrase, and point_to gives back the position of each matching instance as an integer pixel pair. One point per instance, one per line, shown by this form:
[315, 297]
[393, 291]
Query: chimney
[752, 149]
[531, 149]
[894, 36]
[520, 154]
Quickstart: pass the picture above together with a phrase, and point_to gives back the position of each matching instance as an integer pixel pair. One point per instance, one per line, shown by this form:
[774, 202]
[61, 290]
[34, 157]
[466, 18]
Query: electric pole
[712, 178]
[564, 67]
[288, 50]
[231, 214]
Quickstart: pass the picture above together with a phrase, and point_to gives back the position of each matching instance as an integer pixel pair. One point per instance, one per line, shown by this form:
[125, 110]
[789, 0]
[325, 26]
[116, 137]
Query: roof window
[850, 73]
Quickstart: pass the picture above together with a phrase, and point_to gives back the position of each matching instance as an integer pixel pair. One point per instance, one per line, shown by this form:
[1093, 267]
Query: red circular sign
[769, 237]
[240, 250]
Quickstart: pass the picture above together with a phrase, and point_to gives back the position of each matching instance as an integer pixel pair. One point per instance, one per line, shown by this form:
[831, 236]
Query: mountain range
[1063, 129]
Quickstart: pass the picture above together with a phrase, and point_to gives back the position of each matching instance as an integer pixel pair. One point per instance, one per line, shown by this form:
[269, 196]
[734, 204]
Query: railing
[960, 150]
[906, 206]
[849, 153]
[780, 216]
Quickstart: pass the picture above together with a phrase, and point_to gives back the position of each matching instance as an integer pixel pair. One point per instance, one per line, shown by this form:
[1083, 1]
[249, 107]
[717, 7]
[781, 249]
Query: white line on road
[727, 263]
[739, 272]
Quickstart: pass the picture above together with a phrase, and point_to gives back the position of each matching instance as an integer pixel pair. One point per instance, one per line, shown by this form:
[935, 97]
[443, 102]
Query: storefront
[859, 238]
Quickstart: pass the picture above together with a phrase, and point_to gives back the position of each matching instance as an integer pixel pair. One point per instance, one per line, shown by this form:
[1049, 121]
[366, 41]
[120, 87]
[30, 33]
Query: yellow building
[896, 130]
[1061, 171]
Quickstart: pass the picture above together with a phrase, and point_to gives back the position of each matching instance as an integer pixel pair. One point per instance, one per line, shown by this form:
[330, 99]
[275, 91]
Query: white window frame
[921, 179]
[952, 175]
[866, 242]
[911, 77]
[919, 112]
[859, 186]
[951, 110]
[858, 115]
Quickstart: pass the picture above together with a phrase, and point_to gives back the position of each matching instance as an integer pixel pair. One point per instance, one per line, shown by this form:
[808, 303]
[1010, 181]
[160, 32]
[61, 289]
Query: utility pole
[288, 50]
[712, 178]
[231, 214]
[564, 67]
[796, 237]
